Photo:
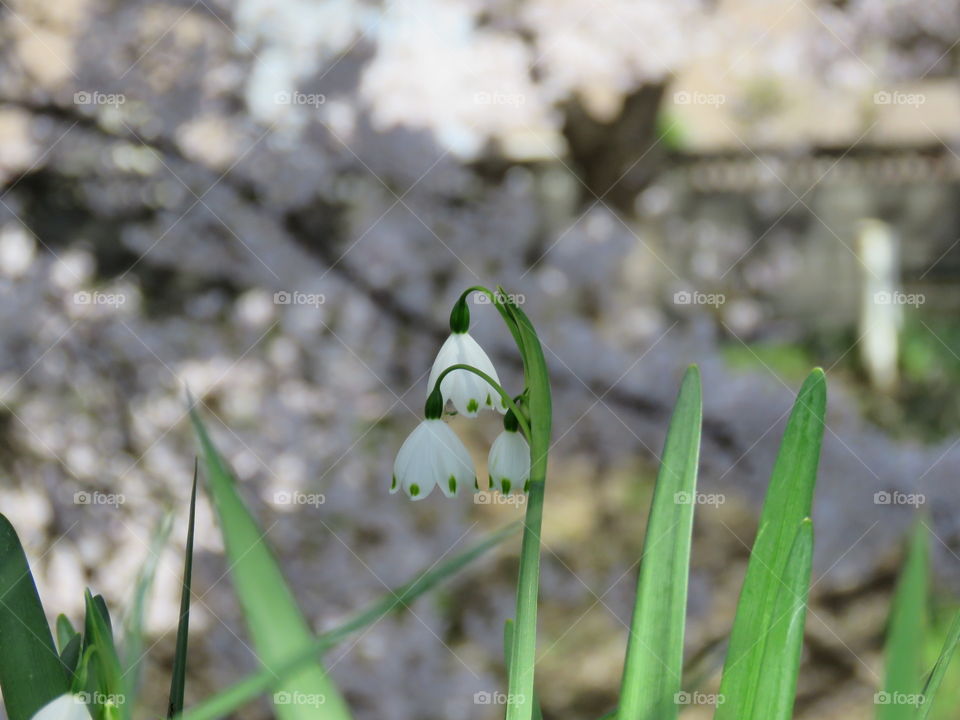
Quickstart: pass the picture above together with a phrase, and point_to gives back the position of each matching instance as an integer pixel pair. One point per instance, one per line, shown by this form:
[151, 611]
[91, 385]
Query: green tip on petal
[414, 490]
[393, 483]
[472, 405]
[505, 486]
[452, 484]
[526, 486]
[489, 400]
[476, 484]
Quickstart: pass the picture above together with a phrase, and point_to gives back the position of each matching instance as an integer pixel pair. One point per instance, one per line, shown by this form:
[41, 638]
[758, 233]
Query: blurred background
[276, 203]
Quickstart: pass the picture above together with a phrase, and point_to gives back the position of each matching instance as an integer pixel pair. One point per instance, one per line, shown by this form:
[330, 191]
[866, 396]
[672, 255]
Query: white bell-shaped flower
[432, 455]
[509, 462]
[468, 392]
[65, 707]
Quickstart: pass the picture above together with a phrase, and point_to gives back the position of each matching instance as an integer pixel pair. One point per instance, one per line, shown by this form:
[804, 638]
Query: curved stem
[496, 299]
[507, 400]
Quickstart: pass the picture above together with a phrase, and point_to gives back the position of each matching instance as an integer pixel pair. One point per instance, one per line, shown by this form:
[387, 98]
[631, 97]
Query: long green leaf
[178, 678]
[932, 686]
[242, 692]
[31, 674]
[277, 627]
[520, 675]
[65, 631]
[133, 627]
[905, 633]
[653, 670]
[781, 660]
[105, 676]
[788, 501]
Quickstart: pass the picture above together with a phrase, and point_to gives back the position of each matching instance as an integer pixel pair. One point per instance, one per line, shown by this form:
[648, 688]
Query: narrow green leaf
[105, 676]
[932, 686]
[788, 501]
[242, 692]
[905, 632]
[653, 670]
[178, 679]
[277, 627]
[133, 627]
[70, 655]
[507, 652]
[537, 381]
[781, 659]
[65, 631]
[104, 611]
[31, 674]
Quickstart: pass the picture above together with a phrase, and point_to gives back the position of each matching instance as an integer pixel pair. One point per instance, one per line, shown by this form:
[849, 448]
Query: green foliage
[754, 667]
[277, 627]
[31, 674]
[654, 662]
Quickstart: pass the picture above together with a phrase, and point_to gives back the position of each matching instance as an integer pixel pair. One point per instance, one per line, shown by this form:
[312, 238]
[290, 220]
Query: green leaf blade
[935, 680]
[781, 660]
[907, 626]
[277, 627]
[178, 678]
[245, 690]
[31, 674]
[653, 668]
[788, 502]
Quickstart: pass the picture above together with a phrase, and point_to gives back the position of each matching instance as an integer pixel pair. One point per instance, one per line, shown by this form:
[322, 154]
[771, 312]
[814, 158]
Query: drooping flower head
[468, 392]
[432, 455]
[509, 459]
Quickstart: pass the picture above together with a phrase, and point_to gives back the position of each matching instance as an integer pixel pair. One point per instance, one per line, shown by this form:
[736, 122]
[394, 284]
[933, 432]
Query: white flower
[509, 461]
[467, 391]
[65, 707]
[432, 455]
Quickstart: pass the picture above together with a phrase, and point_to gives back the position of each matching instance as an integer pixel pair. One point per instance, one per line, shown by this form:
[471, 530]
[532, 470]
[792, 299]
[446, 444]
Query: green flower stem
[507, 400]
[520, 701]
